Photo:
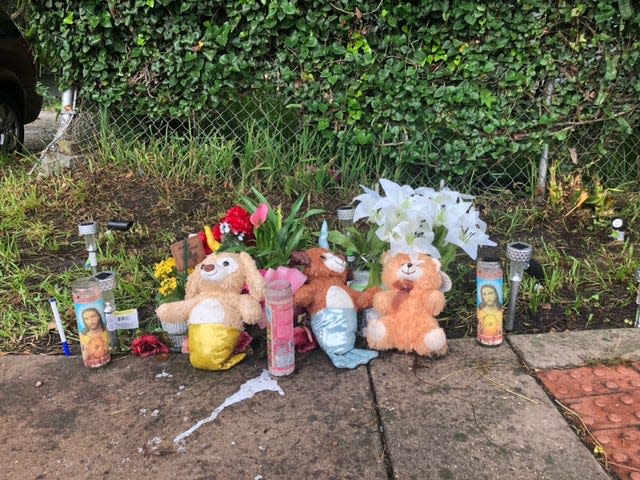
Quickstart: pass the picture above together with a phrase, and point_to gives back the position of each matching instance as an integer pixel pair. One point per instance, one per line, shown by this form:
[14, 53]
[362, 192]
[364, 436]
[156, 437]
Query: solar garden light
[618, 226]
[344, 214]
[107, 281]
[637, 322]
[519, 253]
[88, 230]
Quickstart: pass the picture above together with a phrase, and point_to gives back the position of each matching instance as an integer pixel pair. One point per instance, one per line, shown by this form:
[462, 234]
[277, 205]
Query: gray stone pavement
[477, 413]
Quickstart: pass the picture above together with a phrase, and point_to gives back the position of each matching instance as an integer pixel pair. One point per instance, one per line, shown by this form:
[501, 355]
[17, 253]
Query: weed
[608, 362]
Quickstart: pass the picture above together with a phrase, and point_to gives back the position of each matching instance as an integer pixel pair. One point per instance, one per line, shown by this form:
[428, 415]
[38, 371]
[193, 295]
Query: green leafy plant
[276, 235]
[366, 248]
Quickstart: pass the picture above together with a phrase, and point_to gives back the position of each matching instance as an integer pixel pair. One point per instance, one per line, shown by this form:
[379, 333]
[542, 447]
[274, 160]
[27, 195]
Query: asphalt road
[39, 133]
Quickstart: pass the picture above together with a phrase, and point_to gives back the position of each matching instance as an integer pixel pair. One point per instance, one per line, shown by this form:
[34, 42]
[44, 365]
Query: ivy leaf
[323, 123]
[289, 8]
[626, 127]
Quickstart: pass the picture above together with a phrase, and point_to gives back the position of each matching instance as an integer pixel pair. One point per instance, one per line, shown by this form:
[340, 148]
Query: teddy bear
[216, 309]
[332, 306]
[414, 297]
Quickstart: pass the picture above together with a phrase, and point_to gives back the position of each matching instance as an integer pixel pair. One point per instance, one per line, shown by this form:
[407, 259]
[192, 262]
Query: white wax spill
[247, 390]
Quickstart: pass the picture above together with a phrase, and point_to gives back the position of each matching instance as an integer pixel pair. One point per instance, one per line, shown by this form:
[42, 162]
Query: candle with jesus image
[92, 330]
[489, 301]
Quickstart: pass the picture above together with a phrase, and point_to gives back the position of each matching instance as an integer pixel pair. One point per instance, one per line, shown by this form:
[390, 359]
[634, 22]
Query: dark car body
[20, 102]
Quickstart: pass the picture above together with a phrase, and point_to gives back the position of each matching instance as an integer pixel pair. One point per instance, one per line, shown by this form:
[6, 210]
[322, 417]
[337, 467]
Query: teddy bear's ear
[299, 258]
[194, 283]
[436, 262]
[446, 282]
[252, 276]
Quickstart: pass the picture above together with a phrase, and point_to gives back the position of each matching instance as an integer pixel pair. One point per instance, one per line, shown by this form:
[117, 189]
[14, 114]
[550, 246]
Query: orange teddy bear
[332, 306]
[408, 308]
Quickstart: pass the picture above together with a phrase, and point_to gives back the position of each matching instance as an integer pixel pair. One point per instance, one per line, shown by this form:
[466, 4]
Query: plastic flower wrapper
[367, 248]
[292, 275]
[423, 220]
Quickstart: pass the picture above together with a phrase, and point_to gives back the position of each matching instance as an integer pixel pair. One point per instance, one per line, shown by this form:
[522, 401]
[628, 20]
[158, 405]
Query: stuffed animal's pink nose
[208, 267]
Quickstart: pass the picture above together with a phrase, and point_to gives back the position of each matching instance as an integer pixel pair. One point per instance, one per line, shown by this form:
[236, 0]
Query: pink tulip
[260, 215]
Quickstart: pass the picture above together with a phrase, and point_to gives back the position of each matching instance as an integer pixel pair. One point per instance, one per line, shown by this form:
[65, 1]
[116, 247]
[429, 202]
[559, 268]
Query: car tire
[11, 128]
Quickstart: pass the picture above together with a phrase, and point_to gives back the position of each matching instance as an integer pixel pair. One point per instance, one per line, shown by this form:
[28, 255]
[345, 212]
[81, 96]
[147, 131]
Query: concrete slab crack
[388, 465]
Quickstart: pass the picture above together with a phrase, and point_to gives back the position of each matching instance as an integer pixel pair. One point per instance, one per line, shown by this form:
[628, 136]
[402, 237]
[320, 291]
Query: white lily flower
[427, 211]
[405, 239]
[396, 194]
[469, 234]
[469, 239]
[366, 201]
[407, 219]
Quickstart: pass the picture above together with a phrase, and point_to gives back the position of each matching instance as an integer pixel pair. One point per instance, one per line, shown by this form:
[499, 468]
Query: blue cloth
[335, 331]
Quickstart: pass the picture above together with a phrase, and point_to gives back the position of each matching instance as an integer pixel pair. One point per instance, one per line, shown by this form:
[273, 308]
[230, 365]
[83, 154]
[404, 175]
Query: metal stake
[519, 253]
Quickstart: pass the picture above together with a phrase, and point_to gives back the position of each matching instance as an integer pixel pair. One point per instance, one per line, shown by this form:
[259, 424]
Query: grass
[172, 186]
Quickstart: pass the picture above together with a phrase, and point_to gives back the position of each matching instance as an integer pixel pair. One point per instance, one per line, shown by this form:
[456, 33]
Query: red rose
[243, 342]
[148, 345]
[304, 340]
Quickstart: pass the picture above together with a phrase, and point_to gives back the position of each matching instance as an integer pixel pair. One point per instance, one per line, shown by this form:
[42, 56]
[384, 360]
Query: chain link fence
[587, 149]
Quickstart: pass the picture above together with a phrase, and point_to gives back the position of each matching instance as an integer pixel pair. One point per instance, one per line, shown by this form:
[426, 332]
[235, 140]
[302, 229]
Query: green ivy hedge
[440, 87]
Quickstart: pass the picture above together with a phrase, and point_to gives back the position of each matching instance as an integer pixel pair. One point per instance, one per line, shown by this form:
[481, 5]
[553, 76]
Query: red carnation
[148, 345]
[239, 221]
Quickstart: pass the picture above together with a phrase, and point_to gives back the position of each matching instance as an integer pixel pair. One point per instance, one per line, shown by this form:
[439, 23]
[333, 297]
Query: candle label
[489, 302]
[280, 341]
[92, 329]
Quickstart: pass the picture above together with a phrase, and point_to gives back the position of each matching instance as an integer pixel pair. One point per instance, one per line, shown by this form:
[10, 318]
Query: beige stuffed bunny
[215, 308]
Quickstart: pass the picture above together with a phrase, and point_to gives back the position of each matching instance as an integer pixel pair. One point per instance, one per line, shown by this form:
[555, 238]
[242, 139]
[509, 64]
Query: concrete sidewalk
[478, 413]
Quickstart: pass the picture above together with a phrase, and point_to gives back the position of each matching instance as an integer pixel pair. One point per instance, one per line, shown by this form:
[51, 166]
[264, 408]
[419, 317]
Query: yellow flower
[168, 286]
[164, 269]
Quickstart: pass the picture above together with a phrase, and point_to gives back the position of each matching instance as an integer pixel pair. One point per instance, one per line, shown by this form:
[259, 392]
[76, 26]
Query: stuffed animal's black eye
[322, 257]
[225, 264]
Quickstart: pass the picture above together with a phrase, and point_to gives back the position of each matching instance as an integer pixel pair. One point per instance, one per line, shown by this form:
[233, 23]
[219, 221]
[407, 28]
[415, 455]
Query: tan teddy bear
[408, 307]
[215, 308]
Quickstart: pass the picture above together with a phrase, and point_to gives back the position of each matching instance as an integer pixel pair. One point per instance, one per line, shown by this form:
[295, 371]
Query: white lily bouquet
[423, 220]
